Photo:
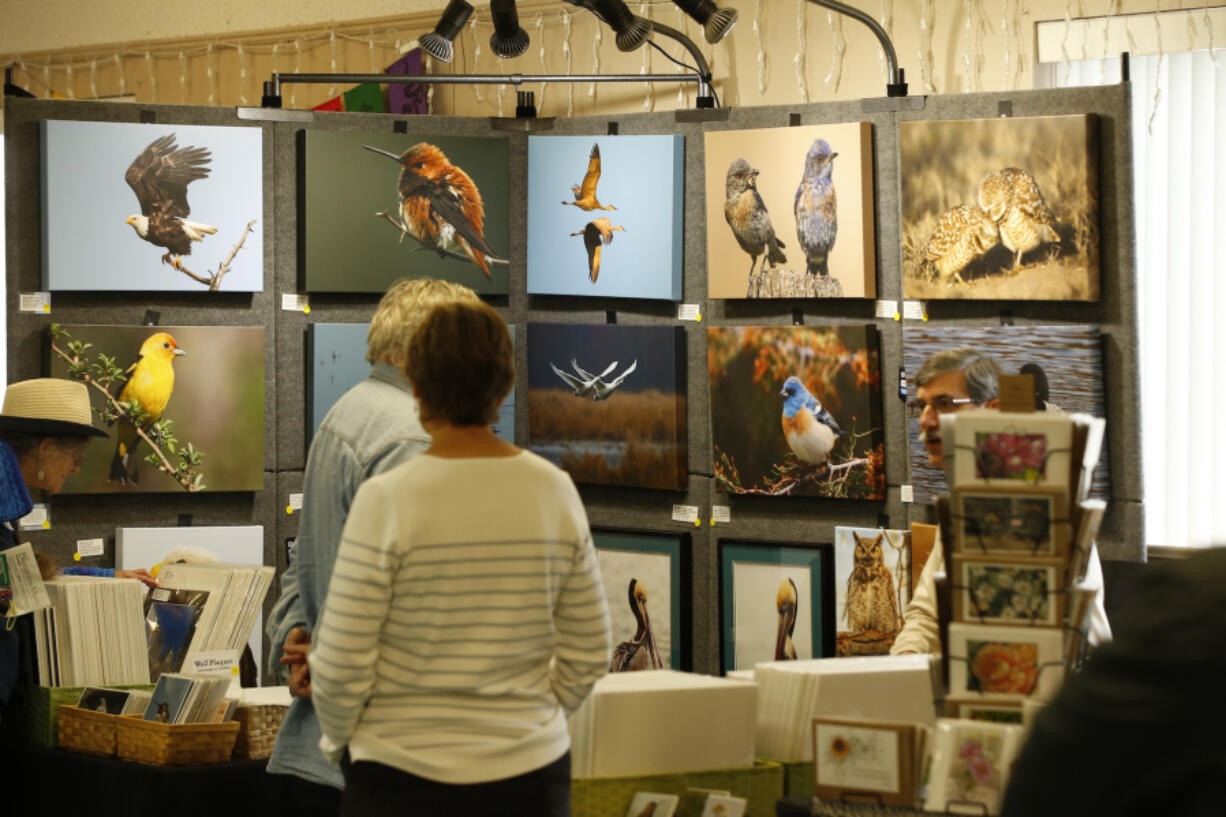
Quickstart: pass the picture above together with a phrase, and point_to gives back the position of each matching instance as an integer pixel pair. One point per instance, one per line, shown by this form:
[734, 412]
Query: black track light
[509, 39]
[438, 42]
[632, 31]
[715, 22]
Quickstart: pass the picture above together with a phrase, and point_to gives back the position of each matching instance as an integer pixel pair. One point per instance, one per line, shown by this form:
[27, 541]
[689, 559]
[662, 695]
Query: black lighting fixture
[632, 31]
[509, 39]
[438, 43]
[715, 22]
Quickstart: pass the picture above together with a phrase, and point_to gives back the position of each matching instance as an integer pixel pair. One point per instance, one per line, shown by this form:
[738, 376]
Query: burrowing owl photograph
[1000, 208]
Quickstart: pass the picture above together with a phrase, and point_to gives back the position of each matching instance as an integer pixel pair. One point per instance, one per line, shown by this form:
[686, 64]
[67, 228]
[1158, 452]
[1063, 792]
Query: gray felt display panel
[755, 518]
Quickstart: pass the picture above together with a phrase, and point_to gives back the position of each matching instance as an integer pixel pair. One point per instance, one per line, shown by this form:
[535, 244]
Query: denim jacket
[372, 428]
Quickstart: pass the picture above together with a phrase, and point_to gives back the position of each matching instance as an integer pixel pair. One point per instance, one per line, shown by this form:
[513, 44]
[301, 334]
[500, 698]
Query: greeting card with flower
[1005, 663]
[970, 764]
[1004, 590]
[1024, 521]
[875, 758]
[1007, 450]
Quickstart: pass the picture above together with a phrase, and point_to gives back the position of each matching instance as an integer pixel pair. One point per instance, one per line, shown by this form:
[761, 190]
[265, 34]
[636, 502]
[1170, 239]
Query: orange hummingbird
[439, 204]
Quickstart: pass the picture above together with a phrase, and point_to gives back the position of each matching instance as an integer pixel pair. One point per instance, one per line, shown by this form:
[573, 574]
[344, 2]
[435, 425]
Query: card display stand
[760, 784]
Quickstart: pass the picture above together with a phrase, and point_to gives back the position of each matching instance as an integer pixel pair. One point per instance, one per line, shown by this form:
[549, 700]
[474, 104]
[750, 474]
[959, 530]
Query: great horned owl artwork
[872, 568]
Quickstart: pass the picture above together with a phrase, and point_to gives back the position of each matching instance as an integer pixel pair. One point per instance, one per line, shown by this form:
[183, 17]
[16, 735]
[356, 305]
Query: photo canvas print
[796, 410]
[336, 354]
[1030, 522]
[1002, 209]
[384, 206]
[790, 212]
[1066, 362]
[642, 581]
[199, 391]
[606, 403]
[970, 765]
[165, 207]
[993, 590]
[605, 215]
[872, 585]
[1005, 662]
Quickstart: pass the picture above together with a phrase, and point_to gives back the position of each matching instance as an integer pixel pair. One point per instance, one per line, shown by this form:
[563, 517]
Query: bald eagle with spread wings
[159, 176]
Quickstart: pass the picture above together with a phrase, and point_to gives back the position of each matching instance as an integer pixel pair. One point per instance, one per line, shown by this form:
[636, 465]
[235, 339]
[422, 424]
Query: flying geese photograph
[1003, 208]
[152, 208]
[382, 206]
[643, 575]
[606, 403]
[790, 212]
[796, 411]
[605, 216]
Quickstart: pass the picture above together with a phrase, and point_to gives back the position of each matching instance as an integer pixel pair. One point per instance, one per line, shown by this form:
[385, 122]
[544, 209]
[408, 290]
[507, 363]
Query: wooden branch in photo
[785, 487]
[165, 466]
[404, 231]
[215, 280]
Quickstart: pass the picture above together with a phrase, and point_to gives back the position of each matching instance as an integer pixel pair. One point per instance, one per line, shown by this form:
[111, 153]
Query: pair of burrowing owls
[1011, 210]
[871, 601]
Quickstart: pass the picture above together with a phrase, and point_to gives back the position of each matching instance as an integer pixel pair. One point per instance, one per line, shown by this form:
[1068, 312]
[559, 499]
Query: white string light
[596, 41]
[472, 29]
[570, 86]
[802, 48]
[374, 65]
[1153, 114]
[93, 79]
[681, 18]
[121, 70]
[428, 67]
[47, 78]
[887, 24]
[1209, 28]
[649, 94]
[210, 74]
[835, 74]
[757, 33]
[926, 61]
[539, 23]
[502, 86]
[332, 48]
[293, 89]
[242, 76]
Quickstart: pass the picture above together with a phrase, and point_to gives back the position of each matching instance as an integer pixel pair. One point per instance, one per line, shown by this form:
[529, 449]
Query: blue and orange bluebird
[810, 430]
[817, 222]
[746, 215]
[439, 204]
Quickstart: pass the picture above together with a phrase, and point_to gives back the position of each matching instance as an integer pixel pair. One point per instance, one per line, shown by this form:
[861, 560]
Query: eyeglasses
[941, 405]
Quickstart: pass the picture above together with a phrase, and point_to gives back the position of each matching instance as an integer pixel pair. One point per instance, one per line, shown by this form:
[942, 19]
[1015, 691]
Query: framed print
[605, 214]
[790, 212]
[796, 410]
[1003, 590]
[201, 392]
[1003, 209]
[1005, 663]
[169, 207]
[873, 760]
[607, 402]
[975, 708]
[776, 602]
[872, 585]
[1013, 450]
[646, 580]
[652, 804]
[1067, 364]
[970, 766]
[368, 219]
[1029, 522]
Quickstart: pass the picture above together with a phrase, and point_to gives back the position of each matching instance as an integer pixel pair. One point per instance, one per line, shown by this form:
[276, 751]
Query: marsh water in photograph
[1070, 356]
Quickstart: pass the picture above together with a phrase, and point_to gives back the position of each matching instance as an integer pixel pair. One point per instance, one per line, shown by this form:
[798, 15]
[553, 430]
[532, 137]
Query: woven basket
[177, 744]
[761, 784]
[84, 730]
[257, 730]
[36, 710]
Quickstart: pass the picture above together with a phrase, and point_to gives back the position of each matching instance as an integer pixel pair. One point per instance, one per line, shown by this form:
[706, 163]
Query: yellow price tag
[289, 510]
[699, 318]
[76, 557]
[897, 316]
[46, 307]
[698, 523]
[46, 524]
[306, 310]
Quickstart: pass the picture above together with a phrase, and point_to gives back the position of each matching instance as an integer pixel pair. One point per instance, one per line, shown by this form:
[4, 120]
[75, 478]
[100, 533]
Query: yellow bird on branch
[151, 379]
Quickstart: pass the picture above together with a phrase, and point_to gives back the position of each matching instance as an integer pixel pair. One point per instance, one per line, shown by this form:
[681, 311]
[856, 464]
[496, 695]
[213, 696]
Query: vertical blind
[1179, 158]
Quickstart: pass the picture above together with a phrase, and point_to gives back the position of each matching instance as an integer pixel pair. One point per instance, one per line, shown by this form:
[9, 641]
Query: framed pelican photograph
[1001, 209]
[790, 212]
[796, 410]
[383, 206]
[152, 208]
[1065, 361]
[606, 402]
[199, 391]
[646, 580]
[872, 581]
[605, 215]
[776, 602]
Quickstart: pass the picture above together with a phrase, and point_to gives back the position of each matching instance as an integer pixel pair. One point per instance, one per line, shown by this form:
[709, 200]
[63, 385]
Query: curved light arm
[700, 62]
[897, 85]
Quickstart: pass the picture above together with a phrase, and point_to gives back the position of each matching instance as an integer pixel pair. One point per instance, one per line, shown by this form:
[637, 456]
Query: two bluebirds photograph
[796, 411]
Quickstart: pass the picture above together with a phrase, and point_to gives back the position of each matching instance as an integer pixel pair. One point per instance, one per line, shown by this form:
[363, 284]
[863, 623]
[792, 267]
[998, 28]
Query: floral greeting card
[1005, 662]
[1007, 450]
[1000, 590]
[1023, 521]
[853, 756]
[970, 764]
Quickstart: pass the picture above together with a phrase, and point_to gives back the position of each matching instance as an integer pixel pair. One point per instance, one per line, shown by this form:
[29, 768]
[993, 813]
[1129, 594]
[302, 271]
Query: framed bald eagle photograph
[182, 406]
[152, 208]
[380, 206]
[605, 215]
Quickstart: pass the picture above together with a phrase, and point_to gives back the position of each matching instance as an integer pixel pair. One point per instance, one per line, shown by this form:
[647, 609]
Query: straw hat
[50, 406]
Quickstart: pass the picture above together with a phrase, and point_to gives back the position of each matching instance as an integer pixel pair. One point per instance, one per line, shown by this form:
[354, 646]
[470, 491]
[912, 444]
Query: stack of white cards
[235, 598]
[663, 722]
[793, 693]
[93, 634]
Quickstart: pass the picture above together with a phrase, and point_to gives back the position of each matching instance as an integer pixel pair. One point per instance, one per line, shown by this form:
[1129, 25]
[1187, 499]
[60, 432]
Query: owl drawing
[1011, 198]
[963, 234]
[871, 604]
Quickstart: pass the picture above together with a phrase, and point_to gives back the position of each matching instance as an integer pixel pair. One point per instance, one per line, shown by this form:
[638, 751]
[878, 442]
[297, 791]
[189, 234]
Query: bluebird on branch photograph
[168, 208]
[796, 410]
[790, 212]
[1000, 208]
[605, 215]
[606, 403]
[383, 206]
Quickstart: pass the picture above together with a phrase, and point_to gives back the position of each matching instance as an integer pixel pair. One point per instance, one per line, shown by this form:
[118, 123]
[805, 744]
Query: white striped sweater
[464, 620]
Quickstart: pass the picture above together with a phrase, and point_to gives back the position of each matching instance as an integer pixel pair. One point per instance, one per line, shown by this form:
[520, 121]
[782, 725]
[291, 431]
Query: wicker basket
[84, 730]
[178, 744]
[36, 710]
[257, 731]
